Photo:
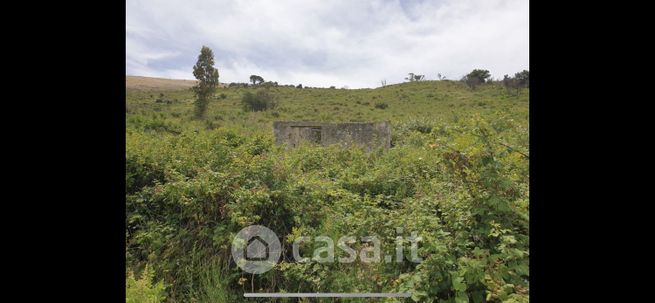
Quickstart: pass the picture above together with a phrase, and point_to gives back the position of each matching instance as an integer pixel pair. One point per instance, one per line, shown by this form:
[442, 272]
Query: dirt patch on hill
[148, 83]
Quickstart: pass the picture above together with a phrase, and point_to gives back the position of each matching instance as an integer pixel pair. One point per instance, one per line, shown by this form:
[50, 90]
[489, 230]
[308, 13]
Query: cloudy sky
[323, 43]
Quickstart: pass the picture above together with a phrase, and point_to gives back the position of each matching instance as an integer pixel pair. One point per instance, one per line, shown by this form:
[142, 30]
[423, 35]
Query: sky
[341, 43]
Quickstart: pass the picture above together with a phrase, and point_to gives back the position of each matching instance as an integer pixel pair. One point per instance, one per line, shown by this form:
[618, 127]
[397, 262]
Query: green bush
[420, 125]
[260, 101]
[466, 195]
[143, 290]
[381, 105]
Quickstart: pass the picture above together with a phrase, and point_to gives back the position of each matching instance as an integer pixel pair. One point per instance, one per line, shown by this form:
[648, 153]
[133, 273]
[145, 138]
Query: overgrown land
[457, 174]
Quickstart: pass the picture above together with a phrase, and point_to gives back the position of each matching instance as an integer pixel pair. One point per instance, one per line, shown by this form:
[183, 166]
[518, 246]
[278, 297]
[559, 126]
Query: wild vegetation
[457, 174]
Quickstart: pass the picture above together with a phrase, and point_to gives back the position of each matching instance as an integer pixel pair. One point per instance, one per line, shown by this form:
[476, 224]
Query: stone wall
[368, 135]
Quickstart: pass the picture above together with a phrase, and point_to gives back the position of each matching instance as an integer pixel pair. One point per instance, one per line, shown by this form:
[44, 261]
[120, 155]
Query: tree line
[481, 76]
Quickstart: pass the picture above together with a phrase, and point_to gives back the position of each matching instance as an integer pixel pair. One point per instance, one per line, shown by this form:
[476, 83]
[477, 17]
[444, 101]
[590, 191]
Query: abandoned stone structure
[368, 135]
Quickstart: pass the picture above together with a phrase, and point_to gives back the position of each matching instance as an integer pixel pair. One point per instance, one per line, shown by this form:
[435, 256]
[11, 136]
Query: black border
[71, 67]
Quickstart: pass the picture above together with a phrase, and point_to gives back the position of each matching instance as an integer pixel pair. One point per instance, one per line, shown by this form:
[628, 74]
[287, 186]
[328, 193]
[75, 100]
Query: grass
[434, 100]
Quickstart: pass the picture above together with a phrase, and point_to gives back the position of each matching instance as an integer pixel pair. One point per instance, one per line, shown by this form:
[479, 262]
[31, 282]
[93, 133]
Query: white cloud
[324, 43]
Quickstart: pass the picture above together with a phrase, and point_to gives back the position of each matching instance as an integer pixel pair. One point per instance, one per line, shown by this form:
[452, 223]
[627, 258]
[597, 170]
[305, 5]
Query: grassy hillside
[426, 100]
[156, 84]
[457, 175]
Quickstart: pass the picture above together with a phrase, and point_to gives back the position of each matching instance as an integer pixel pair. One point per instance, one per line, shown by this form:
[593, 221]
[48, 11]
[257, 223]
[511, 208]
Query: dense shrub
[462, 191]
[420, 125]
[523, 78]
[514, 84]
[381, 105]
[163, 99]
[156, 124]
[260, 101]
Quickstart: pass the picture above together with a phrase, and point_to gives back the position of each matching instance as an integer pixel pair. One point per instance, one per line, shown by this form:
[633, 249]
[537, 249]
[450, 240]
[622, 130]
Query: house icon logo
[256, 249]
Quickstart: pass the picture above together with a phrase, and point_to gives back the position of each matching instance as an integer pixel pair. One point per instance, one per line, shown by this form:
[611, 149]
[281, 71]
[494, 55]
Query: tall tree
[207, 77]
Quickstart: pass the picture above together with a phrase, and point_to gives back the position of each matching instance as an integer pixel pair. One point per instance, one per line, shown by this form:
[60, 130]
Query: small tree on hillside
[411, 77]
[207, 77]
[256, 79]
[514, 85]
[480, 74]
[476, 77]
[523, 78]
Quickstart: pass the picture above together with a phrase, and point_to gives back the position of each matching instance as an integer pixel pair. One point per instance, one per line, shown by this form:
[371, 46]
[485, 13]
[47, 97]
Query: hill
[431, 100]
[156, 84]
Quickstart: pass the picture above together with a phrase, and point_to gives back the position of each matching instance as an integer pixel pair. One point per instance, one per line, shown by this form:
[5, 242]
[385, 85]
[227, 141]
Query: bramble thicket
[457, 174]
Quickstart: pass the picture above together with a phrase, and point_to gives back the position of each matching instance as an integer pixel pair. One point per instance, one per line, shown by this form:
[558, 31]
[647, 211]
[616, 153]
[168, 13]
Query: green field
[457, 174]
